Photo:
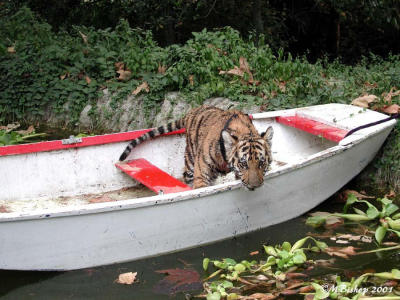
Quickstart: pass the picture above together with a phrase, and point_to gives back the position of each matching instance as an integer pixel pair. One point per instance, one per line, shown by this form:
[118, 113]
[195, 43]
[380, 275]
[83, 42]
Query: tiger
[217, 142]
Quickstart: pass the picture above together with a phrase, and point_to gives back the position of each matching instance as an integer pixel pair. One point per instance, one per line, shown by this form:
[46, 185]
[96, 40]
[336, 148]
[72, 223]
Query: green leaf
[351, 199]
[316, 221]
[229, 261]
[206, 261]
[393, 224]
[232, 296]
[359, 211]
[390, 209]
[320, 292]
[214, 296]
[286, 246]
[380, 233]
[270, 250]
[353, 217]
[239, 268]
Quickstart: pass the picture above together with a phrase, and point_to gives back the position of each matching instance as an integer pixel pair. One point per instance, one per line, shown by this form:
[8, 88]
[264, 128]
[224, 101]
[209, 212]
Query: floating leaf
[126, 278]
[178, 280]
[340, 252]
[380, 233]
[206, 261]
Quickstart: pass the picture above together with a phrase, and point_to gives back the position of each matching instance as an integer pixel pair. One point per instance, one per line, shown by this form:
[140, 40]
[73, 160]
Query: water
[98, 283]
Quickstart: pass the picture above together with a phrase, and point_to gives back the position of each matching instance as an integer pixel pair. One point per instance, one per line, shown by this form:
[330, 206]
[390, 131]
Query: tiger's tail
[175, 125]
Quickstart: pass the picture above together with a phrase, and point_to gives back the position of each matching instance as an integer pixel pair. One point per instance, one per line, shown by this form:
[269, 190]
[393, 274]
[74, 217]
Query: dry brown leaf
[30, 130]
[10, 127]
[88, 80]
[370, 85]
[101, 199]
[144, 86]
[234, 71]
[392, 93]
[364, 101]
[282, 86]
[62, 77]
[161, 69]
[124, 75]
[11, 49]
[84, 37]
[119, 65]
[357, 194]
[254, 253]
[391, 109]
[126, 278]
[341, 252]
[260, 296]
[391, 194]
[244, 65]
[191, 81]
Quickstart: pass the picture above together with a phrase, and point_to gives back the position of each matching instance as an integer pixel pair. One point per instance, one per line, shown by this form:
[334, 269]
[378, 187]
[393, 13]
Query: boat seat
[314, 127]
[151, 176]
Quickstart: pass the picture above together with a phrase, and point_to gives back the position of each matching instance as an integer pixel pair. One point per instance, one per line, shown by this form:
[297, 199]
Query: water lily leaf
[214, 296]
[239, 268]
[389, 209]
[286, 246]
[320, 292]
[270, 250]
[380, 233]
[206, 261]
[351, 199]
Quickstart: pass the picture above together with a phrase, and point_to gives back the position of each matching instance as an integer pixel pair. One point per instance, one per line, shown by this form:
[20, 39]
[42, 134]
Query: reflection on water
[98, 283]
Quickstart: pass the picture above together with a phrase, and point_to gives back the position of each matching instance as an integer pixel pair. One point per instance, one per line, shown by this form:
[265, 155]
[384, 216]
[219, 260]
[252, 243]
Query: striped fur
[217, 142]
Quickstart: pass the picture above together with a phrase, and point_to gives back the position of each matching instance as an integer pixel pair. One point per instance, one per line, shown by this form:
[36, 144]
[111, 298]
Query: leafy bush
[41, 70]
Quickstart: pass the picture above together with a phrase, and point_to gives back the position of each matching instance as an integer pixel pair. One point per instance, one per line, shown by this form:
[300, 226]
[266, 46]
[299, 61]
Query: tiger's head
[249, 156]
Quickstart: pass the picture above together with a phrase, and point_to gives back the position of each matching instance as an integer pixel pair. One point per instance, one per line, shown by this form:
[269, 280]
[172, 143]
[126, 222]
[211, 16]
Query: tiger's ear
[229, 140]
[268, 134]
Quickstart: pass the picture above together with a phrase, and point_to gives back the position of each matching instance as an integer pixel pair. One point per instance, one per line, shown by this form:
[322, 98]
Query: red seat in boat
[151, 176]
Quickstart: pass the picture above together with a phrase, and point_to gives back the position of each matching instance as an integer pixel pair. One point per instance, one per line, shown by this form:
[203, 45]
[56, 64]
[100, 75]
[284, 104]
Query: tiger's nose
[255, 181]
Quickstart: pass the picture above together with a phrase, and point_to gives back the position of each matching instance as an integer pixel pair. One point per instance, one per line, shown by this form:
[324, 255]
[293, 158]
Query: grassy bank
[41, 71]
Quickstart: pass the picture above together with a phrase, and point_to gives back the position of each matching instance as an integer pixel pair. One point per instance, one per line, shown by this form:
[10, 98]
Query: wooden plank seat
[151, 176]
[314, 127]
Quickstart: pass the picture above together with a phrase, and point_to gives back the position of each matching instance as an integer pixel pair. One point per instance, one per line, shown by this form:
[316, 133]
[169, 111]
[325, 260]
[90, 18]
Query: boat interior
[295, 140]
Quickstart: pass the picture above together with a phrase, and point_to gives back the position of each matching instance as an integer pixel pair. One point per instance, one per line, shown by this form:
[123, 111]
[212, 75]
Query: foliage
[42, 71]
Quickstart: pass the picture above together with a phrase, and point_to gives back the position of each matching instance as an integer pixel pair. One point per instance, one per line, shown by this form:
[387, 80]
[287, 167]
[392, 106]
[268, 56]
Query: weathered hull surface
[104, 233]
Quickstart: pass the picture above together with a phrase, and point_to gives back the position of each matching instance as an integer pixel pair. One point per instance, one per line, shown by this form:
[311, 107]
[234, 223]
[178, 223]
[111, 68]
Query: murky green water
[98, 283]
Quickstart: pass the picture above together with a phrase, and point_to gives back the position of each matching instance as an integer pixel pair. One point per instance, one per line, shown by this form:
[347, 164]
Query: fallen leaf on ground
[144, 86]
[126, 278]
[11, 49]
[161, 69]
[191, 81]
[364, 101]
[62, 77]
[241, 70]
[392, 93]
[178, 280]
[10, 127]
[30, 130]
[101, 199]
[391, 109]
[341, 252]
[124, 75]
[88, 80]
[119, 65]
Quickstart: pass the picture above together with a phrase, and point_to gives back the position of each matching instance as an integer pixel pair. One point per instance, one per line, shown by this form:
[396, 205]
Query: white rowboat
[66, 206]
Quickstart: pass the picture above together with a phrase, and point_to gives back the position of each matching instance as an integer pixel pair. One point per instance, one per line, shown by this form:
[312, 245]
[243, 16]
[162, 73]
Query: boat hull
[116, 233]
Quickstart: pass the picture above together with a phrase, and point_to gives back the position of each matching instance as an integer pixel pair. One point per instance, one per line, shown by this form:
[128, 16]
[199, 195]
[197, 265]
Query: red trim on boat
[151, 176]
[86, 141]
[317, 128]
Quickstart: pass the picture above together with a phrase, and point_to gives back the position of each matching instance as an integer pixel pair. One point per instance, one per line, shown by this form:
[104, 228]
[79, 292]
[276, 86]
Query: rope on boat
[392, 117]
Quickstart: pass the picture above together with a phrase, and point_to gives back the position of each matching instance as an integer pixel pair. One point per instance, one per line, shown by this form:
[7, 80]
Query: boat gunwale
[135, 203]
